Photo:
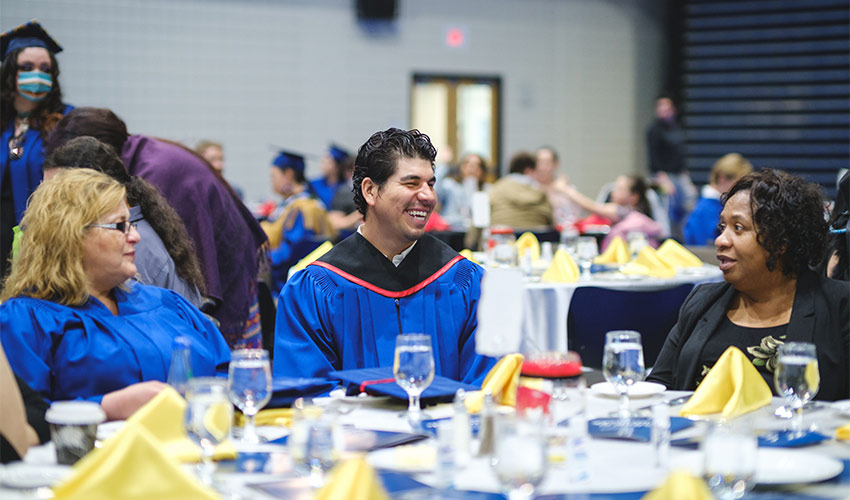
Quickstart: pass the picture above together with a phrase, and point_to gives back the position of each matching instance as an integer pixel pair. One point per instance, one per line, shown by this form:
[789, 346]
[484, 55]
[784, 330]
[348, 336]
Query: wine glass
[797, 378]
[730, 458]
[208, 416]
[622, 364]
[520, 456]
[413, 367]
[249, 384]
[586, 250]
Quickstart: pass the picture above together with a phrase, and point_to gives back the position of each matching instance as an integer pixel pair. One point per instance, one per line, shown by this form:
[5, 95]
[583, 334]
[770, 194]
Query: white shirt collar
[396, 260]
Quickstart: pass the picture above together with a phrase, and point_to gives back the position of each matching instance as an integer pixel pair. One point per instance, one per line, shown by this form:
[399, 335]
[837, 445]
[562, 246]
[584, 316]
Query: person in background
[343, 213]
[837, 262]
[230, 244]
[30, 105]
[772, 231]
[213, 152]
[333, 174]
[701, 226]
[516, 199]
[72, 322]
[165, 256]
[454, 192]
[667, 162]
[345, 310]
[565, 212]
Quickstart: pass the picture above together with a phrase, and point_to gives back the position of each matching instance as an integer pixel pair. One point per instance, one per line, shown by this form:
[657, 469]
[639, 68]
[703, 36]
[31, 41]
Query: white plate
[778, 466]
[27, 476]
[842, 407]
[418, 457]
[639, 390]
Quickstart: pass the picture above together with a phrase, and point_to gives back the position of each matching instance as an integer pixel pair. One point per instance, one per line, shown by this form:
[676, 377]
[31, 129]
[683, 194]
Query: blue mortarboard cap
[288, 159]
[338, 154]
[30, 34]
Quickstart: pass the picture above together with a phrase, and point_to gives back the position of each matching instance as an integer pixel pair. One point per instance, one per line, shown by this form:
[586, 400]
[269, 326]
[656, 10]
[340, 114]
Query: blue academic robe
[324, 190]
[71, 352]
[26, 172]
[345, 310]
[701, 227]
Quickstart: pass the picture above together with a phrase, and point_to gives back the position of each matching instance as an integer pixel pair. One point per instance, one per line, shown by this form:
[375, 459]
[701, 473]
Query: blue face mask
[34, 85]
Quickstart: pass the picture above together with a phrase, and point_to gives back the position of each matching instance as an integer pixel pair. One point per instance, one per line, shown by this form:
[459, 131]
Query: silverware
[669, 402]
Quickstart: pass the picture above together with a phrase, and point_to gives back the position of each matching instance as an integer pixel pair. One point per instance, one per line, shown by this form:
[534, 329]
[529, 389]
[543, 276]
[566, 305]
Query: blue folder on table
[380, 382]
[285, 390]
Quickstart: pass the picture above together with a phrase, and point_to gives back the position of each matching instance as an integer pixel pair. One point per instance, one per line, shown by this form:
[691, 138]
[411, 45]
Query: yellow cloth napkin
[353, 479]
[273, 416]
[310, 257]
[733, 387]
[163, 416]
[843, 432]
[131, 467]
[648, 263]
[680, 485]
[677, 256]
[617, 252]
[527, 242]
[467, 253]
[502, 382]
[562, 270]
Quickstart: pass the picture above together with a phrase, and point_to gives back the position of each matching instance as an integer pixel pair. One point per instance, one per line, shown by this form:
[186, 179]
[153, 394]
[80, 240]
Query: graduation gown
[70, 352]
[345, 310]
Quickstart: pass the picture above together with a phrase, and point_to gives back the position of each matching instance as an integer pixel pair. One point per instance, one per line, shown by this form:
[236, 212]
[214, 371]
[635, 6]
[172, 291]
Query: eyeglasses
[123, 226]
[840, 224]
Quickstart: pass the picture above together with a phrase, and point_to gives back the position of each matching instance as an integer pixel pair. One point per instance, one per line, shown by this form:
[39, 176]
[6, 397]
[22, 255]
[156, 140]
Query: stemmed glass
[208, 416]
[249, 384]
[586, 250]
[413, 368]
[622, 364]
[730, 458]
[520, 456]
[797, 378]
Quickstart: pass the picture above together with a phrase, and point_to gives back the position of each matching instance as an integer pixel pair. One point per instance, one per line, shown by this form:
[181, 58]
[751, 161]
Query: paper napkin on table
[680, 485]
[164, 417]
[677, 256]
[310, 257]
[131, 465]
[732, 387]
[467, 253]
[527, 242]
[617, 252]
[275, 416]
[502, 382]
[648, 263]
[353, 479]
[562, 270]
[843, 432]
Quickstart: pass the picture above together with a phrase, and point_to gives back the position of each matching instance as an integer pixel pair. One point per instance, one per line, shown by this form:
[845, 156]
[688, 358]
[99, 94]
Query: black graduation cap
[288, 159]
[30, 34]
[338, 154]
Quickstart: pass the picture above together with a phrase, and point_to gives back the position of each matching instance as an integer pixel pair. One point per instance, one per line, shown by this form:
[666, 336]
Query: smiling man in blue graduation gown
[345, 310]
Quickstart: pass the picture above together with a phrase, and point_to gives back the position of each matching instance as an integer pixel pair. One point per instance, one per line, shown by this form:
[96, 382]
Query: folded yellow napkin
[733, 387]
[163, 416]
[353, 479]
[310, 257]
[273, 416]
[843, 432]
[563, 269]
[617, 252]
[467, 253]
[502, 382]
[680, 485]
[648, 263]
[677, 256]
[527, 242]
[133, 466]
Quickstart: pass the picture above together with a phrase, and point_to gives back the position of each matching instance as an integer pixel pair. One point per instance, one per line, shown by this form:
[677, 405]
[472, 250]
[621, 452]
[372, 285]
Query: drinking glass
[413, 367]
[249, 384]
[622, 364]
[586, 250]
[730, 458]
[520, 456]
[797, 378]
[208, 416]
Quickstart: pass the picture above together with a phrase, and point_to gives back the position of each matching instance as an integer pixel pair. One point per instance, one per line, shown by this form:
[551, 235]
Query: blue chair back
[596, 311]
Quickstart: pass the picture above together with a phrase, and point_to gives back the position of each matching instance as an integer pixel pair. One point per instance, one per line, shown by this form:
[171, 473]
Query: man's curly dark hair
[788, 213]
[378, 157]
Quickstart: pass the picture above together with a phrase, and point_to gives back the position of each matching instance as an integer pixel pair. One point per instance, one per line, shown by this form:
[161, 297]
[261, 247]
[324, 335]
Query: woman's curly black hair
[788, 213]
[48, 112]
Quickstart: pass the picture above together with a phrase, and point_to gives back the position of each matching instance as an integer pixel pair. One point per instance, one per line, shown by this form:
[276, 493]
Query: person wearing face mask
[30, 105]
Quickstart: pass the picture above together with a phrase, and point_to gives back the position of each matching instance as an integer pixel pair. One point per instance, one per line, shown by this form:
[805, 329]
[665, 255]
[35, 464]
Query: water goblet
[413, 368]
[622, 364]
[586, 250]
[208, 417]
[797, 378]
[730, 458]
[249, 385]
[520, 456]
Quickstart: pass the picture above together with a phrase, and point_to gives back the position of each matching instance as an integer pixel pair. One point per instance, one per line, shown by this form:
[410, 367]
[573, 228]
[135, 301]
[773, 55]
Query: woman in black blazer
[772, 230]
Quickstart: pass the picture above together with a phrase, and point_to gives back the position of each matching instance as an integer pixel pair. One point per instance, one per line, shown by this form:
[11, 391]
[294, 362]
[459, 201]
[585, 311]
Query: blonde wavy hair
[49, 264]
